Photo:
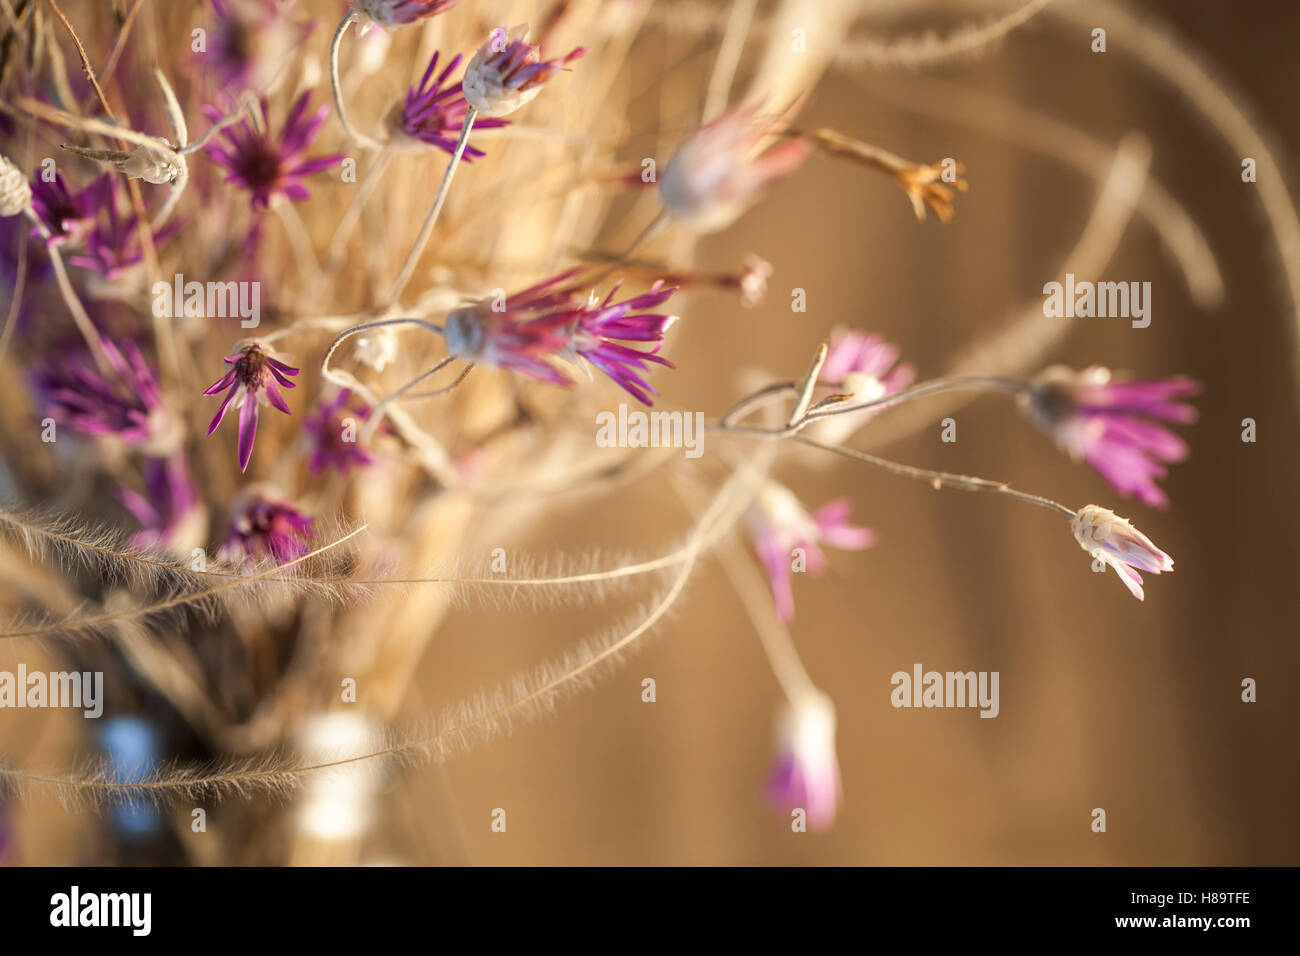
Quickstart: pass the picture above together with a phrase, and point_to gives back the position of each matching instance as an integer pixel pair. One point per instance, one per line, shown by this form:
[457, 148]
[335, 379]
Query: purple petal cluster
[254, 376]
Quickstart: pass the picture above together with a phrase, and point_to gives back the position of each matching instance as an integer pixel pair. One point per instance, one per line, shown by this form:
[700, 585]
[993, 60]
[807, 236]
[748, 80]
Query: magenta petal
[247, 432]
[221, 412]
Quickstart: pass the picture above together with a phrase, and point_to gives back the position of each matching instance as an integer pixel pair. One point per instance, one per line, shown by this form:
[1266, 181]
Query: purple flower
[67, 215]
[396, 13]
[333, 430]
[1113, 426]
[865, 367]
[268, 165]
[126, 403]
[807, 774]
[254, 376]
[601, 325]
[784, 533]
[1126, 550]
[265, 525]
[111, 240]
[434, 114]
[528, 328]
[718, 171]
[249, 41]
[508, 71]
[549, 321]
[169, 511]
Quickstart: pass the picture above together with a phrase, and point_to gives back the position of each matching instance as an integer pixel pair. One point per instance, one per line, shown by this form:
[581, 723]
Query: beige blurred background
[1105, 702]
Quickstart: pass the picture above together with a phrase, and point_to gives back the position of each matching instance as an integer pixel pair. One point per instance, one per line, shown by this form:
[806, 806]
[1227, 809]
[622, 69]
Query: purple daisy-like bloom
[268, 165]
[865, 367]
[125, 404]
[333, 438]
[1114, 426]
[254, 376]
[1123, 548]
[263, 525]
[780, 525]
[806, 775]
[508, 71]
[67, 215]
[110, 240]
[170, 513]
[396, 13]
[602, 324]
[434, 113]
[248, 41]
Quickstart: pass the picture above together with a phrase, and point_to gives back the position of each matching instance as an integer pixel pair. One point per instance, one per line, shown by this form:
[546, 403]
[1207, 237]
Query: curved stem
[408, 267]
[337, 87]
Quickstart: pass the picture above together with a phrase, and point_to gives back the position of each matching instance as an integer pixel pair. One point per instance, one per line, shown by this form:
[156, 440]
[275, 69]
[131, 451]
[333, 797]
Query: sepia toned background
[1105, 702]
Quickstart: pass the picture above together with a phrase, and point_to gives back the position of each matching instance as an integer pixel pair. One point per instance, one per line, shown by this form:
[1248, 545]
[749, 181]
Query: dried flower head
[334, 433]
[1114, 426]
[807, 772]
[787, 537]
[264, 524]
[154, 164]
[124, 403]
[396, 13]
[255, 376]
[67, 215]
[507, 72]
[268, 165]
[434, 113]
[1111, 539]
[249, 41]
[866, 368]
[170, 512]
[547, 321]
[718, 171]
[15, 192]
[110, 239]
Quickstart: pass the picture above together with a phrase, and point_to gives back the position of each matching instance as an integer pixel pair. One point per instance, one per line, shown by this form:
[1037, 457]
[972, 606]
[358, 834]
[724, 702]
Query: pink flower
[784, 533]
[333, 430]
[270, 165]
[507, 72]
[1126, 550]
[1114, 426]
[865, 367]
[264, 525]
[255, 376]
[170, 512]
[807, 774]
[396, 13]
[718, 171]
[434, 113]
[529, 329]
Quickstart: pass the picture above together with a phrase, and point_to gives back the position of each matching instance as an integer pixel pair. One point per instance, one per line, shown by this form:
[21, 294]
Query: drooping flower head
[784, 533]
[248, 42]
[334, 431]
[866, 368]
[548, 321]
[264, 524]
[170, 512]
[396, 13]
[806, 775]
[123, 402]
[1114, 426]
[507, 72]
[254, 376]
[435, 112]
[1123, 548]
[718, 170]
[270, 165]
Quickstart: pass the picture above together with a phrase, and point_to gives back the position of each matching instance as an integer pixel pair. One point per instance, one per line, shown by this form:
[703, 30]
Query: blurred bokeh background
[1105, 702]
